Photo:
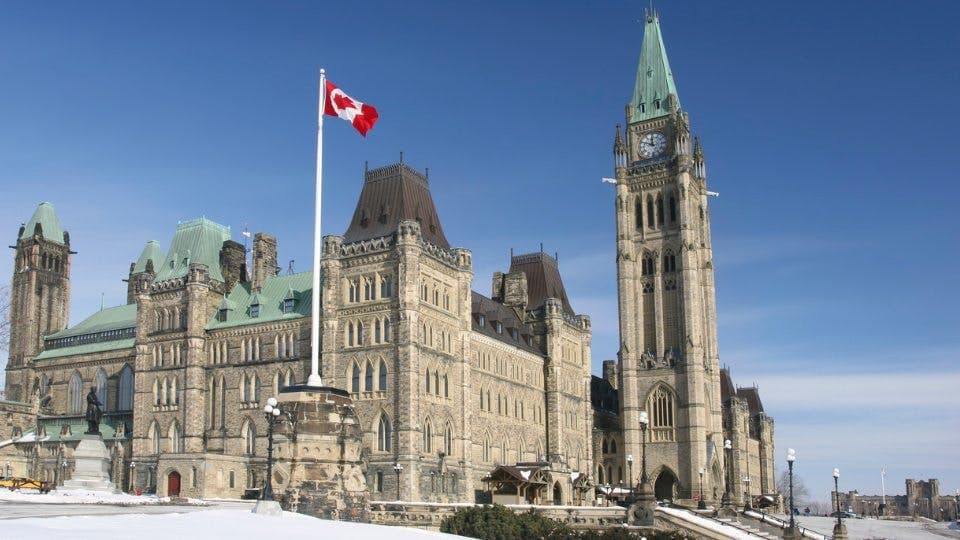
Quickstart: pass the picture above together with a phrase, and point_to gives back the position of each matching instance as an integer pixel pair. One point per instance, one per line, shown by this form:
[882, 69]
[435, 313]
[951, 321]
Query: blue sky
[829, 129]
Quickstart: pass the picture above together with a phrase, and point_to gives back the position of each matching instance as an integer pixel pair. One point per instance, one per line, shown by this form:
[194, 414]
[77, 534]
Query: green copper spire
[654, 78]
[46, 217]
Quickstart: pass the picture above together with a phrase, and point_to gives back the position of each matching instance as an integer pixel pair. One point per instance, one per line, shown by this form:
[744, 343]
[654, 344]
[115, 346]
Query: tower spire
[654, 77]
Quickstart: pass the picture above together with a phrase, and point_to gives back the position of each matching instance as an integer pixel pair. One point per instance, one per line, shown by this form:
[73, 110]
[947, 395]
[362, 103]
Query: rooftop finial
[401, 157]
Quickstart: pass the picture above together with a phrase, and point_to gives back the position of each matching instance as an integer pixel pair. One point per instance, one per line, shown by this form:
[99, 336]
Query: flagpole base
[314, 380]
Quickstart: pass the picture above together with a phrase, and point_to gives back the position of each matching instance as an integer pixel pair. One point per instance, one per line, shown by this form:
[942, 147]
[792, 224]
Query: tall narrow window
[650, 216]
[376, 331]
[638, 213]
[355, 381]
[660, 409]
[101, 386]
[659, 210]
[387, 330]
[448, 441]
[673, 209]
[249, 438]
[368, 378]
[427, 382]
[76, 394]
[427, 436]
[382, 386]
[383, 434]
[359, 333]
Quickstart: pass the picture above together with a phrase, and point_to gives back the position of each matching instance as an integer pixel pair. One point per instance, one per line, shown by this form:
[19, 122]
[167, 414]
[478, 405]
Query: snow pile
[716, 526]
[207, 524]
[873, 528]
[84, 496]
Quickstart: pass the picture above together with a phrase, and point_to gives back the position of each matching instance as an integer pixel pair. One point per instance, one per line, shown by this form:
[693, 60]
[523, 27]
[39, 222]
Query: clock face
[652, 145]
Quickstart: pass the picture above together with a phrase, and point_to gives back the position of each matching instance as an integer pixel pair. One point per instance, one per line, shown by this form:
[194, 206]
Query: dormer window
[481, 320]
[222, 315]
[656, 103]
[254, 311]
[288, 305]
[499, 327]
[513, 333]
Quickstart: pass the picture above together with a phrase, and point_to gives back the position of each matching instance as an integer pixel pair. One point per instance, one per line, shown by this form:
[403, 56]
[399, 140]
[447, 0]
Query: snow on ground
[726, 530]
[208, 524]
[83, 496]
[868, 528]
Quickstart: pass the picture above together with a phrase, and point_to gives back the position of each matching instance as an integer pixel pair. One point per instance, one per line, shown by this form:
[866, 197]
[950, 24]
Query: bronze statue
[93, 412]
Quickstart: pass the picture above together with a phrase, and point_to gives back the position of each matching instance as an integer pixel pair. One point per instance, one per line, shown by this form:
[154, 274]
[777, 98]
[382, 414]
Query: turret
[144, 270]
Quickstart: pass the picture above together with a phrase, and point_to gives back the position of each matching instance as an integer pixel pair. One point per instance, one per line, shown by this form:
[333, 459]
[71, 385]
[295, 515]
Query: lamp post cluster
[272, 412]
[646, 500]
[701, 505]
[398, 468]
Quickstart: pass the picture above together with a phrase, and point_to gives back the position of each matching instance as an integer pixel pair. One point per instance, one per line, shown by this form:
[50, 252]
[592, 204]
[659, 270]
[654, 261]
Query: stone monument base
[267, 508]
[92, 470]
[326, 471]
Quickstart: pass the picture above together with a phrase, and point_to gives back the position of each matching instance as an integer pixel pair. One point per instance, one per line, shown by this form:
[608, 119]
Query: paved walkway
[16, 510]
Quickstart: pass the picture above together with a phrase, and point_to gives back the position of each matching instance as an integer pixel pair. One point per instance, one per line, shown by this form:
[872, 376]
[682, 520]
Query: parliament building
[464, 394]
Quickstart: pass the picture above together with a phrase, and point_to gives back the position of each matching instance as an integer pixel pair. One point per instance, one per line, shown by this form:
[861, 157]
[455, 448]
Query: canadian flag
[361, 115]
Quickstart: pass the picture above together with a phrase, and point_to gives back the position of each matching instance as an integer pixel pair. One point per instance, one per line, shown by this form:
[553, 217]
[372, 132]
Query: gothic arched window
[448, 440]
[427, 436]
[76, 394]
[368, 378]
[659, 210]
[650, 216]
[382, 386]
[660, 408]
[176, 438]
[355, 381]
[154, 438]
[125, 389]
[673, 209]
[249, 434]
[383, 434]
[638, 213]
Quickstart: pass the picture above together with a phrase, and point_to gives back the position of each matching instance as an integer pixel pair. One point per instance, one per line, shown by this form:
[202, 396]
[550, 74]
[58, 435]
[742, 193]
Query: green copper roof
[270, 297]
[151, 251]
[196, 241]
[88, 348]
[654, 78]
[46, 216]
[114, 318]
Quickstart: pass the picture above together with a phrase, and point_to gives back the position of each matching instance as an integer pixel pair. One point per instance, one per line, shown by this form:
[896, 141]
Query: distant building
[923, 499]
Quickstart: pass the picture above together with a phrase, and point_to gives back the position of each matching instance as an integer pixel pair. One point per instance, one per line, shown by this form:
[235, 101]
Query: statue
[93, 412]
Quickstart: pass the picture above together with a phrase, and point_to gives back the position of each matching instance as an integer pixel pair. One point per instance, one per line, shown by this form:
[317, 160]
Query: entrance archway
[173, 484]
[664, 486]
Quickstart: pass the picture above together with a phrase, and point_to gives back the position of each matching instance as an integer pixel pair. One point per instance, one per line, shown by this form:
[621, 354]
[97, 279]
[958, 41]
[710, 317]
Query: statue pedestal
[92, 471]
[641, 513]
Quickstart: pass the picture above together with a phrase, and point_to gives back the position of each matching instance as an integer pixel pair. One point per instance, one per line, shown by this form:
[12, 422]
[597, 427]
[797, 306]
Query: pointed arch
[175, 436]
[650, 215]
[368, 377]
[382, 376]
[248, 433]
[384, 433]
[448, 439]
[355, 377]
[153, 438]
[75, 393]
[100, 383]
[638, 213]
[661, 407]
[125, 389]
[427, 436]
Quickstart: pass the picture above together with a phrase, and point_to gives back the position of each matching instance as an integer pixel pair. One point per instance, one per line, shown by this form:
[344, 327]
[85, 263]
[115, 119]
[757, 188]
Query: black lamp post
[728, 454]
[792, 530]
[702, 505]
[644, 420]
[839, 531]
[630, 472]
[747, 502]
[398, 468]
[133, 470]
[272, 412]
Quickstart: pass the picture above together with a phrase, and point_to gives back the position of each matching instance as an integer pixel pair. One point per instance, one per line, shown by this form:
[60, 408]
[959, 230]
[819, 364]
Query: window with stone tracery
[660, 407]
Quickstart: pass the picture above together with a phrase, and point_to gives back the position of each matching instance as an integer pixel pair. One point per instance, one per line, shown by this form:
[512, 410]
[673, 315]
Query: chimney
[515, 290]
[233, 264]
[264, 259]
[610, 372]
[496, 292]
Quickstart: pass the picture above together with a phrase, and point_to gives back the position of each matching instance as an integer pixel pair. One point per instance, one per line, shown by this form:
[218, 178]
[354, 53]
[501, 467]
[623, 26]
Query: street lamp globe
[268, 409]
[791, 455]
[836, 473]
[276, 412]
[728, 444]
[629, 458]
[272, 402]
[644, 418]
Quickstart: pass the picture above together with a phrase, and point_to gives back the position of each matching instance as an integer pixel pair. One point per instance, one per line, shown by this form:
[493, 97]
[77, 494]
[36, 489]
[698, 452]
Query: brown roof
[726, 386]
[543, 279]
[514, 331]
[390, 195]
[751, 395]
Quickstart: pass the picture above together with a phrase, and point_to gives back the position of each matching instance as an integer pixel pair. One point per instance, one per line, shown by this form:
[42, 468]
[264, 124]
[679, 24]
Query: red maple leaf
[343, 102]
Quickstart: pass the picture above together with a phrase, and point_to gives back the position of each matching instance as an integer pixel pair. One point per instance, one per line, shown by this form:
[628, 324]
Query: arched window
[673, 209]
[605, 447]
[387, 330]
[359, 333]
[173, 396]
[349, 334]
[448, 440]
[446, 386]
[368, 378]
[44, 384]
[249, 434]
[288, 378]
[100, 383]
[427, 382]
[355, 381]
[436, 382]
[659, 210]
[613, 446]
[125, 389]
[660, 409]
[176, 439]
[382, 386]
[255, 387]
[76, 394]
[154, 438]
[486, 448]
[383, 434]
[427, 436]
[376, 331]
[638, 213]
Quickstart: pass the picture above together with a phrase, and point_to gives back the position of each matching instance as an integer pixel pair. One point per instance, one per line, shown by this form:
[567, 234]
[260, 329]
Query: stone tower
[40, 294]
[144, 270]
[668, 350]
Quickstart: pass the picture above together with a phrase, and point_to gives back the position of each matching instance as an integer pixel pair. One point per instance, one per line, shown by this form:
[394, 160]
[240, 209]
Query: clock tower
[668, 356]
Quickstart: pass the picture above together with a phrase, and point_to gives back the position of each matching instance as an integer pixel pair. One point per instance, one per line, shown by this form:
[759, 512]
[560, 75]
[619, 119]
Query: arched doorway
[173, 484]
[557, 494]
[664, 486]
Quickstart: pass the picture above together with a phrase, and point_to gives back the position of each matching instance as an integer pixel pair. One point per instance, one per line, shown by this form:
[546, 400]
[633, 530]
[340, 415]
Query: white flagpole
[314, 378]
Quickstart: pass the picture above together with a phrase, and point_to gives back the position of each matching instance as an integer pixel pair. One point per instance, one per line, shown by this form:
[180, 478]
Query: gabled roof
[543, 279]
[196, 241]
[726, 386]
[270, 299]
[603, 396]
[494, 312]
[113, 318]
[654, 77]
[751, 395]
[390, 195]
[151, 252]
[46, 216]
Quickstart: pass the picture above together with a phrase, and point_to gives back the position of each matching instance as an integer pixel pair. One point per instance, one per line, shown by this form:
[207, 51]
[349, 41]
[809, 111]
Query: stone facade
[922, 499]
